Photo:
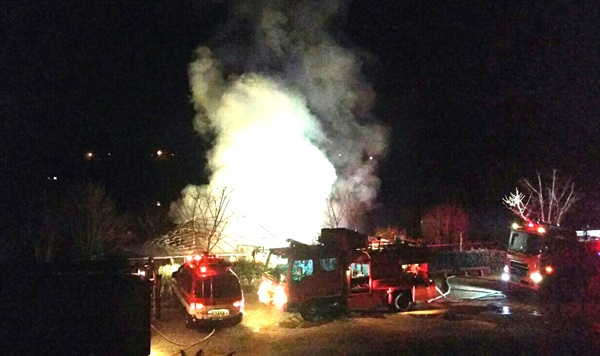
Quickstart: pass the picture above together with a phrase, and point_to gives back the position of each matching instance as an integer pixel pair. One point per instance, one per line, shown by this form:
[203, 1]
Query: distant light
[370, 157]
[55, 178]
[159, 153]
[541, 230]
[89, 155]
[505, 310]
[549, 269]
[157, 203]
[515, 226]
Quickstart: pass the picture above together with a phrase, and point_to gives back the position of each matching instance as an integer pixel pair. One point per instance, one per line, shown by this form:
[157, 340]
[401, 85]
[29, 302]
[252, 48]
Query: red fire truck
[343, 273]
[546, 257]
[208, 289]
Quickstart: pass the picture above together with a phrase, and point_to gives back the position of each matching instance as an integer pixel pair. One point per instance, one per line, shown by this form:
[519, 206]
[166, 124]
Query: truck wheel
[309, 311]
[401, 301]
[189, 321]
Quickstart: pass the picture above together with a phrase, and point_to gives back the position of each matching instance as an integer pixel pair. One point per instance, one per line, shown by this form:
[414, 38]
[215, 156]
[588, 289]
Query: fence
[455, 261]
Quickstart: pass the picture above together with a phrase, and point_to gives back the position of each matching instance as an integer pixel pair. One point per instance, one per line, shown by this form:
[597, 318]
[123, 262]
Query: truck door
[359, 282]
[314, 278]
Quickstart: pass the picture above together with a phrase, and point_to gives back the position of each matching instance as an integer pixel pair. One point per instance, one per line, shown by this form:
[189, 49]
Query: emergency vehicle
[539, 255]
[208, 289]
[343, 273]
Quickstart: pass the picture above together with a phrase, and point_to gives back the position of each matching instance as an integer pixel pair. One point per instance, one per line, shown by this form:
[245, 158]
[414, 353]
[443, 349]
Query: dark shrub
[249, 274]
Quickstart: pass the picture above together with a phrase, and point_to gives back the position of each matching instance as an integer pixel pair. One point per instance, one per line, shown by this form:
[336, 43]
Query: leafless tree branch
[548, 202]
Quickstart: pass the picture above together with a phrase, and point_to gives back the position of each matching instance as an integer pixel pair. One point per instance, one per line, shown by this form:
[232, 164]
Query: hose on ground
[186, 347]
[494, 294]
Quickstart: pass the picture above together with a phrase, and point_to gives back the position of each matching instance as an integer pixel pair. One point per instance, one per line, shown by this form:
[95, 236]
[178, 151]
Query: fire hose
[186, 347]
[486, 294]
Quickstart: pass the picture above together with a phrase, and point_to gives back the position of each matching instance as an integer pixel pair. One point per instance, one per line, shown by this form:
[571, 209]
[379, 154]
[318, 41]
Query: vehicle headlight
[280, 298]
[505, 277]
[536, 277]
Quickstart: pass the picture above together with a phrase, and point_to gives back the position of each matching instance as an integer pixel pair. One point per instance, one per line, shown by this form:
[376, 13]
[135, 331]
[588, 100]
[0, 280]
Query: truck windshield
[277, 265]
[221, 286]
[523, 242]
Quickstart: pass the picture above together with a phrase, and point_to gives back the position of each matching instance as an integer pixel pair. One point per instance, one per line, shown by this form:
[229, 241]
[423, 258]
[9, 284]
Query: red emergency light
[204, 258]
[207, 264]
[530, 225]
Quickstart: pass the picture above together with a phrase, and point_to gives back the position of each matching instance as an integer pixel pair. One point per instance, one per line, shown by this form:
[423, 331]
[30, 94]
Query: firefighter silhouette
[153, 277]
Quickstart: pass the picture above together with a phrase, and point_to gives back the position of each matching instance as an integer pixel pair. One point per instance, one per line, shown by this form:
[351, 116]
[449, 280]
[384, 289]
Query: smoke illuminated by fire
[290, 117]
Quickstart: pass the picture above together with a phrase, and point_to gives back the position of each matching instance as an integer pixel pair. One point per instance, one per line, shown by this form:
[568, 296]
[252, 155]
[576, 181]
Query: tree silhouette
[206, 213]
[444, 224]
[545, 200]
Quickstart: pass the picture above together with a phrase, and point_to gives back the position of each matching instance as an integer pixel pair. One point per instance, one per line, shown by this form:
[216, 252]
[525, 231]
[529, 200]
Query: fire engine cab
[342, 272]
[208, 289]
[546, 257]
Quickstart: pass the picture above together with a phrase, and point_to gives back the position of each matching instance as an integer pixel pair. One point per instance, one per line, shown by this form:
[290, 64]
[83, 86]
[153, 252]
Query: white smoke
[290, 116]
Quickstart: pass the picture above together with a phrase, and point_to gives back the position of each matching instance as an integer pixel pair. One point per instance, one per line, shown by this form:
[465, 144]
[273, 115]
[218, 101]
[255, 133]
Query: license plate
[219, 312]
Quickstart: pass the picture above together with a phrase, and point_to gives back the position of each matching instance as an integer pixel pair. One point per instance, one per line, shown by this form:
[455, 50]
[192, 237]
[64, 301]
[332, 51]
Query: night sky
[477, 95]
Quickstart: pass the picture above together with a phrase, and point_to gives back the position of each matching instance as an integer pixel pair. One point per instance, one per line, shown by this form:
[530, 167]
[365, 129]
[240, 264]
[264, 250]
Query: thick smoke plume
[290, 117]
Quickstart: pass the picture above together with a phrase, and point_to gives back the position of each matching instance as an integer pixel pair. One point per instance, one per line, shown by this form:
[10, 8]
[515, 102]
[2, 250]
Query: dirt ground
[471, 328]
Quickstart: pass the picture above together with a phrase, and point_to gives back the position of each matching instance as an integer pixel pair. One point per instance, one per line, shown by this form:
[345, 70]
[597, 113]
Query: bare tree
[336, 211]
[153, 222]
[98, 228]
[206, 212]
[344, 210]
[518, 204]
[547, 200]
[445, 223]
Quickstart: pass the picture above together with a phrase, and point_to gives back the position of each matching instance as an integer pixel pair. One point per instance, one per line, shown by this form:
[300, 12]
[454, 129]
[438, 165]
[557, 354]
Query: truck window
[359, 270]
[525, 243]
[186, 279]
[512, 239]
[277, 267]
[359, 277]
[302, 269]
[220, 286]
[226, 286]
[328, 264]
